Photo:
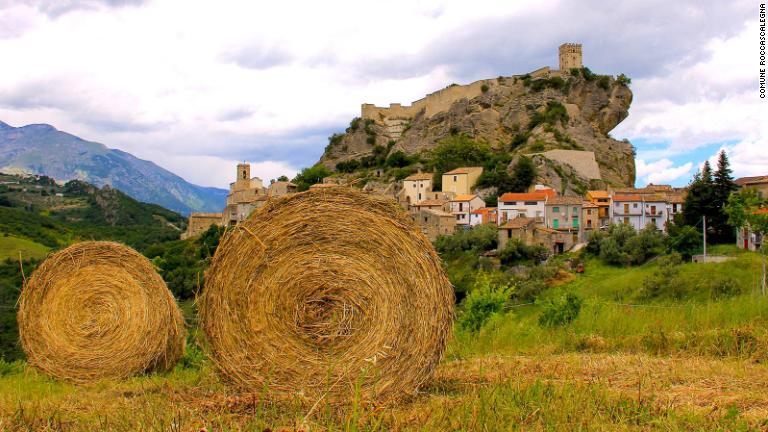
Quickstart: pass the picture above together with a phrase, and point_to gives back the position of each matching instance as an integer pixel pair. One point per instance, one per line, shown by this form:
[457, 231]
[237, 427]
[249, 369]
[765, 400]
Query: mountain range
[42, 149]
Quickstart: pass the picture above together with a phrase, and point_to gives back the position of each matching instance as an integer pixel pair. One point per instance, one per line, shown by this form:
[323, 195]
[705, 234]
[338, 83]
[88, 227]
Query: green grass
[11, 246]
[615, 319]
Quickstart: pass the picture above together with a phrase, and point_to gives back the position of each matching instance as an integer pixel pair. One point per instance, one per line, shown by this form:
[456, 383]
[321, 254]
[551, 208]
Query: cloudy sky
[195, 86]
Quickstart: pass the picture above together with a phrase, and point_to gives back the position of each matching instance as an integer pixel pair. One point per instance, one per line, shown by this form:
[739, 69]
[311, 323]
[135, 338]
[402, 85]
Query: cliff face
[522, 115]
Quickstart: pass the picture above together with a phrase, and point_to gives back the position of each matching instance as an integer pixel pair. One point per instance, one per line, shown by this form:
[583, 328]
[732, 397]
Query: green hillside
[38, 215]
[13, 247]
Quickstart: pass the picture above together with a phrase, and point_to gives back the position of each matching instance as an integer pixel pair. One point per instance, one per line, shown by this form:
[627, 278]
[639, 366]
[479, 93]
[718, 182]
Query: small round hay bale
[323, 292]
[99, 310]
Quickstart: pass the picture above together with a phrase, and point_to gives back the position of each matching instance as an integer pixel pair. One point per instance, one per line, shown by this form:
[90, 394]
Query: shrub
[561, 311]
[483, 302]
[397, 159]
[484, 88]
[480, 239]
[553, 114]
[624, 246]
[623, 80]
[401, 173]
[518, 140]
[516, 251]
[662, 282]
[348, 166]
[354, 124]
[588, 74]
[335, 139]
[309, 176]
[604, 82]
[575, 72]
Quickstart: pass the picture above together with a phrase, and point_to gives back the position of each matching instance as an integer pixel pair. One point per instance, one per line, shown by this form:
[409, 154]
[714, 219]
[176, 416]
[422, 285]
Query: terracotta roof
[464, 197]
[751, 180]
[463, 170]
[419, 176]
[588, 204]
[484, 210]
[676, 198]
[762, 211]
[623, 198]
[565, 200]
[437, 213]
[540, 195]
[518, 222]
[430, 203]
[598, 193]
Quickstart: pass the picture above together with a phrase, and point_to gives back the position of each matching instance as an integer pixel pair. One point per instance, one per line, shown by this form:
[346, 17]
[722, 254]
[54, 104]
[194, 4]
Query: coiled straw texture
[99, 310]
[327, 293]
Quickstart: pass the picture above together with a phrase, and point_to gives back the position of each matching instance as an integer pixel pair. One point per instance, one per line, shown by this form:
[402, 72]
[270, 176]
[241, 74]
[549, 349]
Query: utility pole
[705, 236]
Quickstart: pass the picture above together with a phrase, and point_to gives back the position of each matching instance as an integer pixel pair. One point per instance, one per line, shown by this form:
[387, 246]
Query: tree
[684, 239]
[457, 151]
[283, 178]
[707, 196]
[723, 186]
[309, 176]
[523, 175]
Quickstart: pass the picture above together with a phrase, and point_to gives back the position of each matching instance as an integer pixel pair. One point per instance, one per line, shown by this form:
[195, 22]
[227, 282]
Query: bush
[587, 74]
[516, 251]
[479, 239]
[335, 139]
[623, 80]
[354, 124]
[554, 113]
[663, 281]
[623, 245]
[484, 88]
[348, 166]
[398, 159]
[561, 311]
[684, 239]
[483, 302]
[309, 176]
[604, 82]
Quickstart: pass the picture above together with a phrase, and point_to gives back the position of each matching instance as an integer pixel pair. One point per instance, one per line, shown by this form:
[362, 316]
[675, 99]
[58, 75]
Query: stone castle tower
[243, 174]
[570, 56]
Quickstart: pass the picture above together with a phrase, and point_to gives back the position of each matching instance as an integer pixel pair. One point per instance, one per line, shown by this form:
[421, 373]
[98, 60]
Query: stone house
[758, 183]
[554, 240]
[435, 223]
[416, 188]
[521, 228]
[200, 222]
[484, 215]
[590, 217]
[462, 207]
[434, 204]
[461, 180]
[602, 200]
[529, 204]
[280, 188]
[564, 214]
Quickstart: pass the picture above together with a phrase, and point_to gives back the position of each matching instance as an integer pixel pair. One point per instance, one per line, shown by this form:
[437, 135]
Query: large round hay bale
[325, 292]
[99, 310]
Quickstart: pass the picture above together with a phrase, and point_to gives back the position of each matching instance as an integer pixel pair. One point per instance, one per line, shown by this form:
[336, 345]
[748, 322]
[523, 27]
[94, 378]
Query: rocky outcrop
[520, 115]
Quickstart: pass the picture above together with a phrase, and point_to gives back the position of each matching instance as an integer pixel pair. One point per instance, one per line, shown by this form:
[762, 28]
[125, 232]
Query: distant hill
[36, 209]
[42, 149]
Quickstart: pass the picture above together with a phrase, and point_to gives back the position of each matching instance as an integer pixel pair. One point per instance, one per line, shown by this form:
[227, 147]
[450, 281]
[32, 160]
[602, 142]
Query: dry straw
[327, 293]
[99, 310]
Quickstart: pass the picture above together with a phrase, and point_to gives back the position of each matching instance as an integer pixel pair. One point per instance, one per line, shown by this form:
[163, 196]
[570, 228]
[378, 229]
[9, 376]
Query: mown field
[15, 247]
[692, 357]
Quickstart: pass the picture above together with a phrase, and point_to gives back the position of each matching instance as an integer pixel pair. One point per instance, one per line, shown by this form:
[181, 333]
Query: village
[541, 216]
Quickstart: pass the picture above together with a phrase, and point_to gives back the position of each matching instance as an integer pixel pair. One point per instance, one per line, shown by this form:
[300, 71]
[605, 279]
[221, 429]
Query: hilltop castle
[395, 116]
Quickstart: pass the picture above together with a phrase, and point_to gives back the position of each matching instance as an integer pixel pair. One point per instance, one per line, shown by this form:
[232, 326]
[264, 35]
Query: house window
[575, 209]
[626, 208]
[556, 210]
[589, 212]
[511, 203]
[419, 196]
[555, 223]
[575, 222]
[454, 179]
[626, 221]
[425, 219]
[458, 217]
[530, 203]
[634, 205]
[653, 209]
[461, 206]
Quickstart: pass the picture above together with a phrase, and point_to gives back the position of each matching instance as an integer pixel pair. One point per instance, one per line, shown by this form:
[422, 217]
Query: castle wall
[432, 104]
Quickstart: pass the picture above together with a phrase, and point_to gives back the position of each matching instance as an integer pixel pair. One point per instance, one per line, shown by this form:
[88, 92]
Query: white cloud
[661, 172]
[192, 83]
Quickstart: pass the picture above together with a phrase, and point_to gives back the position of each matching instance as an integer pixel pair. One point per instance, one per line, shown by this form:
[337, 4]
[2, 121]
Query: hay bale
[99, 310]
[322, 290]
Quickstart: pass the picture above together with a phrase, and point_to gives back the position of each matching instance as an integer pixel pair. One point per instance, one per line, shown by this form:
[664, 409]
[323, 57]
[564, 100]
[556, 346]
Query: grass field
[11, 246]
[625, 363]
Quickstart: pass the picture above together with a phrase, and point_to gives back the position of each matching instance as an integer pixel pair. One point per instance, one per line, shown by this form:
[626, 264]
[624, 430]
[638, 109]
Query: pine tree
[723, 186]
